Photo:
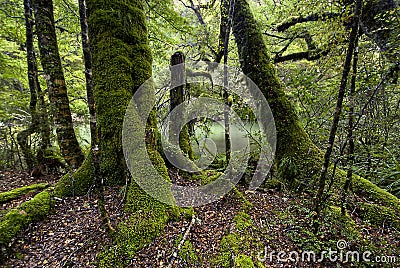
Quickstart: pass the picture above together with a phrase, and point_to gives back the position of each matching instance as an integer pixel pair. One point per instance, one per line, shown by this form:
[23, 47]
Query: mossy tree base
[77, 183]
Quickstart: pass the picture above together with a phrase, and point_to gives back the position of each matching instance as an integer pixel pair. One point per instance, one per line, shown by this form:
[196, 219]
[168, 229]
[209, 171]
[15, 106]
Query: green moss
[379, 215]
[147, 215]
[243, 261]
[184, 142]
[246, 203]
[206, 176]
[260, 265]
[17, 219]
[146, 221]
[16, 193]
[188, 254]
[297, 157]
[344, 224]
[77, 183]
[242, 220]
[299, 161]
[121, 42]
[147, 218]
[230, 246]
[372, 192]
[272, 184]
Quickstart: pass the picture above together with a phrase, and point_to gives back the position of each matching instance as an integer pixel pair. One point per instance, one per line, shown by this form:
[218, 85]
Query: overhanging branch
[313, 17]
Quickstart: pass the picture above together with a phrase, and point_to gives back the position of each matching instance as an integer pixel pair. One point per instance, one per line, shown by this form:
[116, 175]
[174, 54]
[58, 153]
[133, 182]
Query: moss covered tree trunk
[121, 62]
[297, 157]
[51, 63]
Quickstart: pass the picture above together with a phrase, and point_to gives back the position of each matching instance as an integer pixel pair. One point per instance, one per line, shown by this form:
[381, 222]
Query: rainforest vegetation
[87, 88]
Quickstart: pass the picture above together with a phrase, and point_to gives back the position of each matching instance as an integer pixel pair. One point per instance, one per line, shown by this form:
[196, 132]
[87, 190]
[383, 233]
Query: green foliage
[16, 193]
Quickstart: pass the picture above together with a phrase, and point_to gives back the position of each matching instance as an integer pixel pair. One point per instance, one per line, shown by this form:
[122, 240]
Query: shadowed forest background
[328, 69]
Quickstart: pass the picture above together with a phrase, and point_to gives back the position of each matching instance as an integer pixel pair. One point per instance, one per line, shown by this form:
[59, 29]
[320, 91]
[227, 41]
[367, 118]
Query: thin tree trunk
[51, 63]
[177, 97]
[226, 94]
[350, 137]
[318, 204]
[224, 10]
[34, 86]
[14, 143]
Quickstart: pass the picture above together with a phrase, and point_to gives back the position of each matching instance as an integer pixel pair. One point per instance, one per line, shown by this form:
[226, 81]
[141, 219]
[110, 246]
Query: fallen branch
[175, 254]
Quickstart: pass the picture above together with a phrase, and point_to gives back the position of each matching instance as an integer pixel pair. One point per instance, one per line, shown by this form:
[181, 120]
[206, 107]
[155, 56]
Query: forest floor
[217, 234]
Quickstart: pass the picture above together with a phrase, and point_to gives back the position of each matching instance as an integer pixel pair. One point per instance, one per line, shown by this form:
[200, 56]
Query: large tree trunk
[121, 61]
[297, 157]
[51, 63]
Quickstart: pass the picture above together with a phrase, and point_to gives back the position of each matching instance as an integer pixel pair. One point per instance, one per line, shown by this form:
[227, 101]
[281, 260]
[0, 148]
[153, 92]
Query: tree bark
[51, 63]
[318, 202]
[94, 147]
[224, 11]
[350, 129]
[177, 97]
[298, 159]
[296, 156]
[121, 63]
[34, 88]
